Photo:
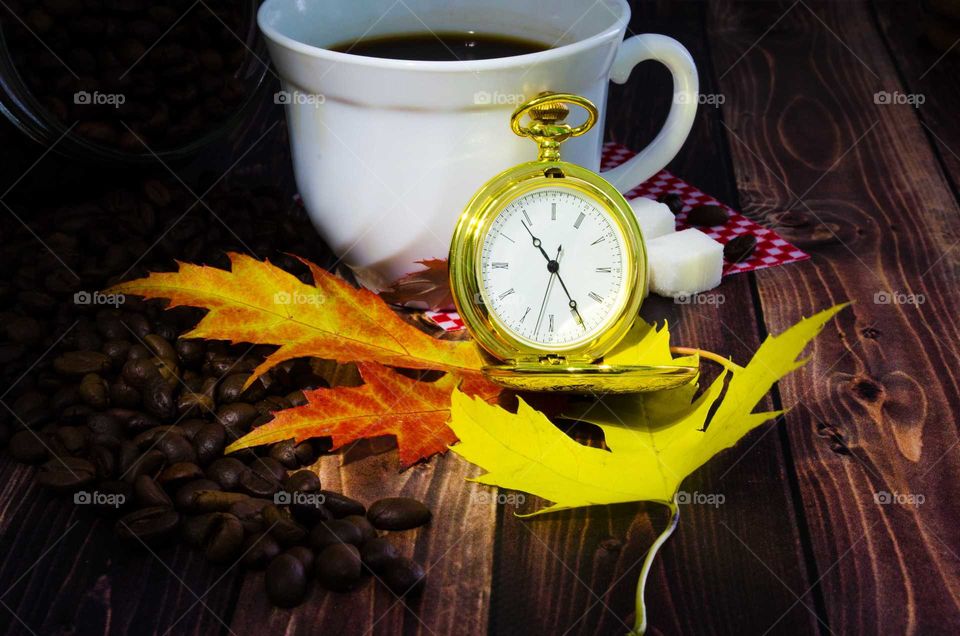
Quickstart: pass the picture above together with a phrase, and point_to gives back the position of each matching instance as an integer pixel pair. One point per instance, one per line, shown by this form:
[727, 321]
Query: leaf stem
[640, 620]
[709, 355]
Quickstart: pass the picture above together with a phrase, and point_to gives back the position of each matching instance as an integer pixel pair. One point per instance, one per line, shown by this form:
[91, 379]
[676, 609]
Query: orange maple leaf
[388, 403]
[259, 303]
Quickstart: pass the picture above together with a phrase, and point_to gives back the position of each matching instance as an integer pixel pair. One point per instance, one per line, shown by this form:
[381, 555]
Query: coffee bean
[398, 513]
[250, 513]
[73, 438]
[302, 481]
[237, 416]
[227, 471]
[404, 576]
[310, 511]
[286, 581]
[285, 453]
[707, 216]
[122, 394]
[257, 485]
[191, 427]
[214, 500]
[209, 442]
[178, 474]
[104, 459]
[258, 550]
[32, 409]
[231, 389]
[367, 531]
[66, 474]
[71, 415]
[148, 463]
[341, 505]
[139, 372]
[338, 567]
[127, 454]
[184, 497]
[305, 555]
[158, 400]
[160, 347]
[739, 248]
[673, 201]
[81, 363]
[152, 526]
[151, 437]
[268, 468]
[224, 538]
[105, 426]
[377, 553]
[117, 351]
[176, 448]
[27, 447]
[190, 352]
[139, 422]
[280, 524]
[139, 352]
[335, 531]
[94, 391]
[148, 493]
[65, 396]
[194, 404]
[195, 528]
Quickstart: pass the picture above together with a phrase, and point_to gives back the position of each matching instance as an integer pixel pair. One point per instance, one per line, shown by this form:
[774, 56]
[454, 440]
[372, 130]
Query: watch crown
[550, 112]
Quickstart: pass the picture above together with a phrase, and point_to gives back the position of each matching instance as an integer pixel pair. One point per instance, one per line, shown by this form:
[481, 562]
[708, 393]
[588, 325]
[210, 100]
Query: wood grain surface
[803, 543]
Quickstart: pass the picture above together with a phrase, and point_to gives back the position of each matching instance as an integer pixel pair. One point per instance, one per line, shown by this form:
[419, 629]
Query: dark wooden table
[801, 544]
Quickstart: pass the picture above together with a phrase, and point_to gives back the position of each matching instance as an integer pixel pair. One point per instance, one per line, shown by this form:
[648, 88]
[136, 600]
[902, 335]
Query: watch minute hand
[573, 303]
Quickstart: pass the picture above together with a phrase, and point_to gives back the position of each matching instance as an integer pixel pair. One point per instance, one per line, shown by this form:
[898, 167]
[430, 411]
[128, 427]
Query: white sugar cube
[682, 263]
[655, 218]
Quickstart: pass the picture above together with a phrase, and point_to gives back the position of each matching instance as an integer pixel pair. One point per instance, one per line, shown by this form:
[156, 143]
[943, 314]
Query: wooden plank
[63, 572]
[575, 572]
[875, 410]
[927, 73]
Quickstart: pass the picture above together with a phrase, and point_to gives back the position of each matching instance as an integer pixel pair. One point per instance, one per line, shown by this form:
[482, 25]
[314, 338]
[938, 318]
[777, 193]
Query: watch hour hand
[536, 242]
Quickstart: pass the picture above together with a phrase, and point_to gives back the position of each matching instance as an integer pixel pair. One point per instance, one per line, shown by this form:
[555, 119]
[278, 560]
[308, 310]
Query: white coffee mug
[387, 152]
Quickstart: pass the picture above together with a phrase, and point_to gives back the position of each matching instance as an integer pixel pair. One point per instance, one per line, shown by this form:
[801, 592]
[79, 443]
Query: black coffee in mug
[441, 47]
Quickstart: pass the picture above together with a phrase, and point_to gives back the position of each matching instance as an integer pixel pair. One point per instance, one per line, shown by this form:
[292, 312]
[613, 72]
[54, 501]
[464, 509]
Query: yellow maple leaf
[655, 440]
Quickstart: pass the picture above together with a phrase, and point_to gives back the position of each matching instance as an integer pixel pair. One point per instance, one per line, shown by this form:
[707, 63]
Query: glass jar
[128, 81]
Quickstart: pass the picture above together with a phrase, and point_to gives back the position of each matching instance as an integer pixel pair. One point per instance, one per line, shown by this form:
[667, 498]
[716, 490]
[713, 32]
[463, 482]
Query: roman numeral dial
[552, 267]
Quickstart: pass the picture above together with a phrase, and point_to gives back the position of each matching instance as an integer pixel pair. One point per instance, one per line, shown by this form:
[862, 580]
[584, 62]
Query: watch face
[552, 268]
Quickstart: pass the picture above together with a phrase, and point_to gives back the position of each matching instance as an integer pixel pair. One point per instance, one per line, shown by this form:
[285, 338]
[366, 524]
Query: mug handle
[683, 109]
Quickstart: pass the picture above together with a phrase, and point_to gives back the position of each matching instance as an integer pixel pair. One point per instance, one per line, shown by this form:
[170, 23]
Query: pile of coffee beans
[168, 70]
[122, 414]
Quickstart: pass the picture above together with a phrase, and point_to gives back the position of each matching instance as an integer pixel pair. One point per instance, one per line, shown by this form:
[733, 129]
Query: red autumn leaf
[388, 403]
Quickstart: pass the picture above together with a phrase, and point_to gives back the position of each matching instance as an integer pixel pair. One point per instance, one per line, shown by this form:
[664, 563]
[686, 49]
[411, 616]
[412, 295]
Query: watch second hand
[546, 295]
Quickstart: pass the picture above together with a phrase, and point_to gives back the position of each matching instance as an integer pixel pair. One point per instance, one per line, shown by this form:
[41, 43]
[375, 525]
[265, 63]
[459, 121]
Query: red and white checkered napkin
[771, 250]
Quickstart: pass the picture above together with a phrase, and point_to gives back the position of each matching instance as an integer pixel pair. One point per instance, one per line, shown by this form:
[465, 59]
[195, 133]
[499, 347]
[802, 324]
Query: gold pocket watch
[548, 267]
